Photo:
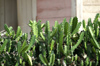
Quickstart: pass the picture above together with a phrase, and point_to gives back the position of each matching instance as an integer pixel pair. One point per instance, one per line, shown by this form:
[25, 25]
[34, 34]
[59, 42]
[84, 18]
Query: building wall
[50, 10]
[24, 10]
[8, 13]
[53, 10]
[90, 8]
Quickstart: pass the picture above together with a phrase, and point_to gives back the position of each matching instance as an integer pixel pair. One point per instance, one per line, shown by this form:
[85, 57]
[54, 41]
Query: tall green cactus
[74, 23]
[60, 39]
[66, 28]
[94, 40]
[63, 45]
[78, 42]
[3, 46]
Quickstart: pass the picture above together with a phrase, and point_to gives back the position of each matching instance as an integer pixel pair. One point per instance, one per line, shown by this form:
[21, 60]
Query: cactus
[52, 59]
[6, 28]
[79, 41]
[3, 46]
[84, 25]
[43, 59]
[66, 28]
[77, 28]
[18, 31]
[63, 45]
[92, 35]
[28, 59]
[32, 41]
[74, 23]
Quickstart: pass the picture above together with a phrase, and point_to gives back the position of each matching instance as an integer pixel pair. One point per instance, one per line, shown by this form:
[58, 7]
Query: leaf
[93, 43]
[18, 31]
[47, 27]
[95, 22]
[60, 40]
[97, 32]
[19, 47]
[41, 34]
[70, 21]
[43, 59]
[33, 48]
[96, 17]
[82, 63]
[54, 32]
[92, 35]
[24, 44]
[24, 49]
[56, 24]
[52, 59]
[76, 57]
[9, 45]
[43, 25]
[30, 23]
[65, 50]
[29, 59]
[47, 32]
[13, 34]
[93, 49]
[6, 28]
[87, 61]
[25, 36]
[74, 23]
[77, 28]
[63, 24]
[39, 27]
[78, 42]
[10, 28]
[99, 23]
[90, 63]
[31, 42]
[17, 64]
[84, 25]
[35, 28]
[3, 46]
[52, 44]
[66, 28]
[90, 22]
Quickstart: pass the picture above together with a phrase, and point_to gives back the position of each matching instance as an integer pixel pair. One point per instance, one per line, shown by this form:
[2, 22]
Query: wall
[90, 8]
[53, 10]
[26, 10]
[8, 13]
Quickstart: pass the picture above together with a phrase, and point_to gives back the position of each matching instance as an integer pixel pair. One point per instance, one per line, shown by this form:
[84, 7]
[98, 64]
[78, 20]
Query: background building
[19, 12]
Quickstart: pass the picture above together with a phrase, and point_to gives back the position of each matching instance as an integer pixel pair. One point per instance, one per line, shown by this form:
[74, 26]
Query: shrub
[61, 46]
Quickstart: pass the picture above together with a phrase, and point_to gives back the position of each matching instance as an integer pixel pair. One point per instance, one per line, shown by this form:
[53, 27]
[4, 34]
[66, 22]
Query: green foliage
[64, 45]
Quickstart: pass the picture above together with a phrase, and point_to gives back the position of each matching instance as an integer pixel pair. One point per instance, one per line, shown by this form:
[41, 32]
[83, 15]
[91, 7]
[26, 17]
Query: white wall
[90, 8]
[26, 10]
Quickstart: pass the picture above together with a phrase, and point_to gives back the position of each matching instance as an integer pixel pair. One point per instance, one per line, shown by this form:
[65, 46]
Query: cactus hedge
[63, 45]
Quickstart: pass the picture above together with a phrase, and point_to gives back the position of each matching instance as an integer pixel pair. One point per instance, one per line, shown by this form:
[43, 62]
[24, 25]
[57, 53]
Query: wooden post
[26, 10]
[34, 9]
[73, 8]
[8, 13]
[1, 15]
[77, 10]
